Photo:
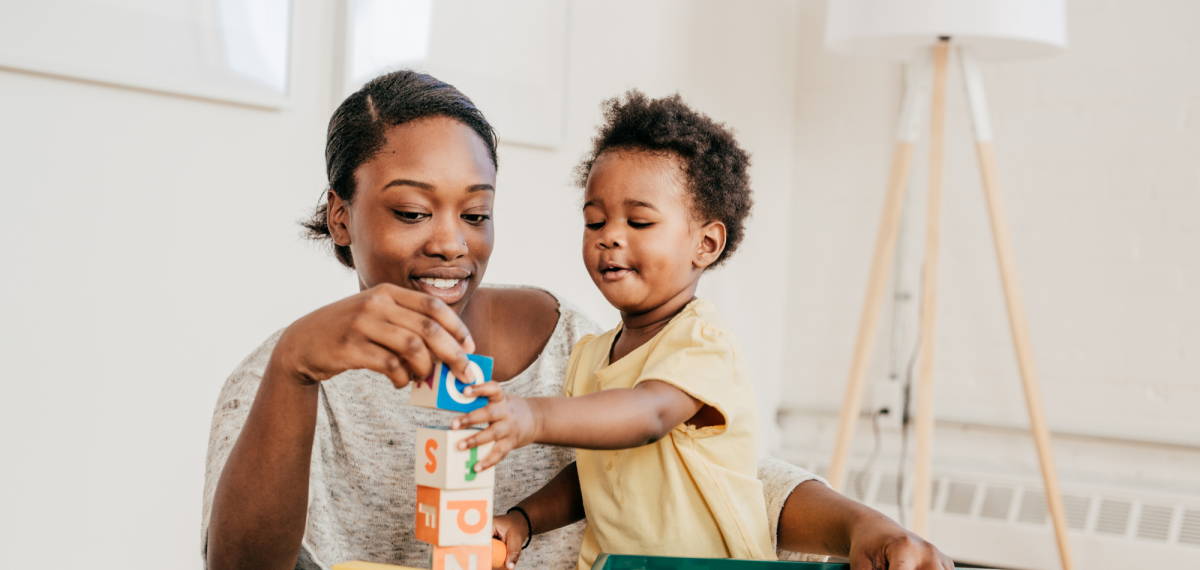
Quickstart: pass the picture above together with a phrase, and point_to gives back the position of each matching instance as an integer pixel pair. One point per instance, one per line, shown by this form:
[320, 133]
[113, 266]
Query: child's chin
[620, 299]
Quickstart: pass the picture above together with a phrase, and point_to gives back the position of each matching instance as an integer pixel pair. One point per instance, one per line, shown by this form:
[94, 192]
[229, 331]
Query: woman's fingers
[435, 309]
[434, 335]
[384, 361]
[403, 343]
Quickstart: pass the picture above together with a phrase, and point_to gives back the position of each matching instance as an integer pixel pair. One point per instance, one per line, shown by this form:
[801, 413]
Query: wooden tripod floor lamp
[922, 32]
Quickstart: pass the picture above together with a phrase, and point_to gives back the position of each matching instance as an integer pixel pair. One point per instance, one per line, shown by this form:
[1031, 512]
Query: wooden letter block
[443, 391]
[441, 464]
[360, 565]
[455, 517]
[462, 557]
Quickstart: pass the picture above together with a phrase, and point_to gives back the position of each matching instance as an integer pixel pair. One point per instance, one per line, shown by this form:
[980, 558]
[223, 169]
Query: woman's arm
[261, 499]
[619, 418]
[818, 520]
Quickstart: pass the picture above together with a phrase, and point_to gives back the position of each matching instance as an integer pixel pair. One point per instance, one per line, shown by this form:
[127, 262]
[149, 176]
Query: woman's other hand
[511, 419]
[883, 544]
[819, 520]
[397, 332]
[513, 531]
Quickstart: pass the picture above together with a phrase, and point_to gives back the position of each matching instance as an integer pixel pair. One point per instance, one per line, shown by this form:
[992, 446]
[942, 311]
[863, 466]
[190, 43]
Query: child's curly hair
[716, 167]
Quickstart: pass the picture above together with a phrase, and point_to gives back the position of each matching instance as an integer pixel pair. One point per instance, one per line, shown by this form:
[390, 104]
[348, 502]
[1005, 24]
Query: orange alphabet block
[454, 517]
[462, 557]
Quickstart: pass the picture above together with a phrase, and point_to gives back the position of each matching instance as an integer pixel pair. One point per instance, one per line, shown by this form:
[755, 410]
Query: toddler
[661, 408]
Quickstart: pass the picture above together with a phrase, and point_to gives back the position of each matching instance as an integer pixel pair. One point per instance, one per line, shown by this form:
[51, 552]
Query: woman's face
[421, 217]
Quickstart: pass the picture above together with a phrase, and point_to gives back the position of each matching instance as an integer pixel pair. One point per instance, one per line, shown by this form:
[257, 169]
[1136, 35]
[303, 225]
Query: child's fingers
[499, 451]
[486, 415]
[514, 549]
[489, 390]
[478, 439]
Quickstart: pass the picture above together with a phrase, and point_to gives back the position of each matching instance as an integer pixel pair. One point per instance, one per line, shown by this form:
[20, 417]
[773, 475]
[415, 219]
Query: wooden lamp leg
[923, 479]
[1016, 305]
[881, 267]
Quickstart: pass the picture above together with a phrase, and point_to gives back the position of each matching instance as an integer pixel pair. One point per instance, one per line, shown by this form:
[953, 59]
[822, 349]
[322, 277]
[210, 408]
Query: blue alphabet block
[443, 391]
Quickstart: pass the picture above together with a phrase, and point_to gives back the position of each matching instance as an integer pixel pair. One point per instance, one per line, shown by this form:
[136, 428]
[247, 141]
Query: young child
[660, 408]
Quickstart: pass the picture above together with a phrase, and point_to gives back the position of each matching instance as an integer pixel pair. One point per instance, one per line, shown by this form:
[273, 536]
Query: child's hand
[514, 531]
[511, 423]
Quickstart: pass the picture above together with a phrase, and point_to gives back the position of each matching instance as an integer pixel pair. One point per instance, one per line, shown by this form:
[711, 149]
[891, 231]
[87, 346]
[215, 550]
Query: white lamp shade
[993, 29]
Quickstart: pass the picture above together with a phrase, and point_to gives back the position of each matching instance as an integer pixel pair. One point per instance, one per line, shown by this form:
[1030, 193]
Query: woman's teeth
[440, 283]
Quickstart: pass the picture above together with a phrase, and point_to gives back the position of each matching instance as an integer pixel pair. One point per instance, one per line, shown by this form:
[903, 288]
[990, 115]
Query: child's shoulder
[701, 320]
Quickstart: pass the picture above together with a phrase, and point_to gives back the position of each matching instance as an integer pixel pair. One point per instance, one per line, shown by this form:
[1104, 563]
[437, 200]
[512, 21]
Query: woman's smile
[446, 283]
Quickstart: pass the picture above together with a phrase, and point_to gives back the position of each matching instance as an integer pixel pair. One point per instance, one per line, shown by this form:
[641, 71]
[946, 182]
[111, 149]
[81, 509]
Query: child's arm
[620, 418]
[554, 506]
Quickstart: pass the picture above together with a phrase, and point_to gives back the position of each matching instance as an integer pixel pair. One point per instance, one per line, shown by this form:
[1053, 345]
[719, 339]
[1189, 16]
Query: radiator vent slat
[1155, 522]
[995, 502]
[1077, 511]
[1033, 508]
[1189, 532]
[888, 492]
[1114, 516]
[961, 497]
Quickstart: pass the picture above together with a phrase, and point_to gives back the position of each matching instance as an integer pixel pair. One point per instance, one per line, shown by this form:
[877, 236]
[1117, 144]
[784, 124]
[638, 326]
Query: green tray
[625, 562]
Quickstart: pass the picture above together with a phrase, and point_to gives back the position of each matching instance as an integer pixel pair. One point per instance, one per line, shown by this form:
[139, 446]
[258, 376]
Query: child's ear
[337, 212]
[712, 243]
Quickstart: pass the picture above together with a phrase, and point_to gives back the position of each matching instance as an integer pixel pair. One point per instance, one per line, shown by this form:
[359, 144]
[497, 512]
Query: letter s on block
[463, 507]
[430, 446]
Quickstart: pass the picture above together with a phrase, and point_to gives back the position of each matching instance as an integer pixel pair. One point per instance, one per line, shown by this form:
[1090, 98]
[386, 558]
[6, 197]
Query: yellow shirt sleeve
[573, 365]
[698, 358]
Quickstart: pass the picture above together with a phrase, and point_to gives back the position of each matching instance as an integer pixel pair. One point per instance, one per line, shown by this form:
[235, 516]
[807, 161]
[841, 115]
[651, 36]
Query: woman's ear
[337, 212]
[712, 243]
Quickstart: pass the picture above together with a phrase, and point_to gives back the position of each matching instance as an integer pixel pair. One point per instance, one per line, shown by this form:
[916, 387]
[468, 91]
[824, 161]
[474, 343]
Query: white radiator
[999, 521]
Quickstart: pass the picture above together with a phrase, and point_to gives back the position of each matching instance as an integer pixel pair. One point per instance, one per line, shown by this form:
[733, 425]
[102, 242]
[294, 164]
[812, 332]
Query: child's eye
[594, 225]
[476, 219]
[410, 217]
[640, 225]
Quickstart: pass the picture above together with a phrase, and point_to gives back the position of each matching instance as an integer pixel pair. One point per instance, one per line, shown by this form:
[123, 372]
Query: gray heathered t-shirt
[361, 500]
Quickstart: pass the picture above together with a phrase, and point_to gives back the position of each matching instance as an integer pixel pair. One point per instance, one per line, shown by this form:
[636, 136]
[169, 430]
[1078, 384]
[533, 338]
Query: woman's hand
[513, 531]
[512, 423]
[883, 544]
[397, 332]
[819, 520]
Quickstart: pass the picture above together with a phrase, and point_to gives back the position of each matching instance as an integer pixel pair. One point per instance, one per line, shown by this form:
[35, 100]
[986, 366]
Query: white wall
[1097, 151]
[152, 245]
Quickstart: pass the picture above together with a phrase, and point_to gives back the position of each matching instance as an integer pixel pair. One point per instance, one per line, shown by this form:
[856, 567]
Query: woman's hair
[714, 164]
[358, 131]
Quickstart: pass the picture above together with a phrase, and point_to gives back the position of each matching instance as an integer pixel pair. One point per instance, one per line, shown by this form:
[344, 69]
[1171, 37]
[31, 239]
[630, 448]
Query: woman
[311, 452]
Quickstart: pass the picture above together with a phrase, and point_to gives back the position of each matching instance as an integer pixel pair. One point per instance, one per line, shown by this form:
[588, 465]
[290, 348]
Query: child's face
[641, 243]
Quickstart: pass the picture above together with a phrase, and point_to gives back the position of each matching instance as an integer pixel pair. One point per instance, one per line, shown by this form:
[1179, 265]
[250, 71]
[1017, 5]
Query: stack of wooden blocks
[454, 503]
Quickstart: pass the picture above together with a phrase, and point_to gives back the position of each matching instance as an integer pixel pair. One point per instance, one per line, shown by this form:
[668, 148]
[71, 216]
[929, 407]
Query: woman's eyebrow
[428, 186]
[413, 183]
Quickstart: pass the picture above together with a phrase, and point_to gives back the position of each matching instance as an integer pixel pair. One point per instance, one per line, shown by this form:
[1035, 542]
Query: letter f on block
[430, 513]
